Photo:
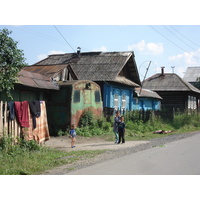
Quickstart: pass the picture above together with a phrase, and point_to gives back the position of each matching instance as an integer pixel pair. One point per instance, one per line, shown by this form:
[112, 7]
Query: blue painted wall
[149, 104]
[117, 97]
[120, 97]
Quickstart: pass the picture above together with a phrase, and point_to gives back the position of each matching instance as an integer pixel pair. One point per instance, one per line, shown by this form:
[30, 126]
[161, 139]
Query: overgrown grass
[29, 158]
[136, 129]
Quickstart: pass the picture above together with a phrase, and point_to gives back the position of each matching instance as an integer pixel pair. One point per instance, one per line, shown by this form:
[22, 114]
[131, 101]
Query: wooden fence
[8, 127]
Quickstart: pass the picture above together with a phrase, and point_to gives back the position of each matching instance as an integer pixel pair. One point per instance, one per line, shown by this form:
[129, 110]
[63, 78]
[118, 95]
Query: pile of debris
[162, 132]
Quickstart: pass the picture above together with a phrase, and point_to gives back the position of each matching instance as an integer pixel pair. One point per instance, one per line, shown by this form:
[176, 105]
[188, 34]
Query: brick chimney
[162, 71]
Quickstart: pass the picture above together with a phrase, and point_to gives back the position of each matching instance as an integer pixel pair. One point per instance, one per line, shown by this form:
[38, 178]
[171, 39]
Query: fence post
[1, 118]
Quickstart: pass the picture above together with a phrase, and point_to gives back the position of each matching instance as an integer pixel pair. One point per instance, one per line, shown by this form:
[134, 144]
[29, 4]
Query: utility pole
[145, 75]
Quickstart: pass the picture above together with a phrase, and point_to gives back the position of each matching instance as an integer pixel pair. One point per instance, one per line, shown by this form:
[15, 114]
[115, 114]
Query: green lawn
[34, 162]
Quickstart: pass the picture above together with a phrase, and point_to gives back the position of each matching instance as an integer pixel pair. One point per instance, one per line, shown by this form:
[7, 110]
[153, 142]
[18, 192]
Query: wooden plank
[5, 128]
[1, 118]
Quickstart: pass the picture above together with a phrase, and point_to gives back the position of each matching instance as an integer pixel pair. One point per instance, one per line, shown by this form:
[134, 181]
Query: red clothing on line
[21, 110]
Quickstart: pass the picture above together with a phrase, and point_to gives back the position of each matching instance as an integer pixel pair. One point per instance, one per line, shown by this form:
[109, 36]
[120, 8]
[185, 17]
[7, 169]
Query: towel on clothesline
[21, 111]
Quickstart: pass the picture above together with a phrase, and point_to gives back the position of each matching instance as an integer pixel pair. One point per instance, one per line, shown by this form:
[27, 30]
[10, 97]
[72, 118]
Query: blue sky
[164, 45]
[157, 31]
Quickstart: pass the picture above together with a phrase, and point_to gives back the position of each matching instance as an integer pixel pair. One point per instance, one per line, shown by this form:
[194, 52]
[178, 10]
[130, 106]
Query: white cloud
[43, 56]
[186, 58]
[103, 48]
[147, 48]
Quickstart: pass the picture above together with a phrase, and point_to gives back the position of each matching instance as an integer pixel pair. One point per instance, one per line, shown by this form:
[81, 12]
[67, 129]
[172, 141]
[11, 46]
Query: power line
[39, 34]
[185, 37]
[64, 38]
[179, 38]
[173, 42]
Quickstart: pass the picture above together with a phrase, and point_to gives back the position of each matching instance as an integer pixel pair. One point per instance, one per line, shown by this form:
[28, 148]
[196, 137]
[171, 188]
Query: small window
[123, 101]
[76, 96]
[116, 100]
[97, 96]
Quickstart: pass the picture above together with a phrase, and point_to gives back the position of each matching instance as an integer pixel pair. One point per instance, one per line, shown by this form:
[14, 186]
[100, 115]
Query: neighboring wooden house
[147, 100]
[192, 76]
[30, 86]
[176, 93]
[115, 72]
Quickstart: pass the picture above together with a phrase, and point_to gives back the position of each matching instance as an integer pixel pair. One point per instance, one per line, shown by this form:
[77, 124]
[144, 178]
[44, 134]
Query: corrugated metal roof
[35, 80]
[147, 93]
[168, 82]
[191, 74]
[47, 70]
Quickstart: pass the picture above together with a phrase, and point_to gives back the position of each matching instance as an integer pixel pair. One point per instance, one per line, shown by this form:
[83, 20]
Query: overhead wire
[179, 38]
[185, 37]
[64, 38]
[173, 42]
[39, 34]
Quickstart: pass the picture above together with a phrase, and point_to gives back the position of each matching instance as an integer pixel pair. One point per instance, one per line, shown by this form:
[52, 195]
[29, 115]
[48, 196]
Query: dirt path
[93, 143]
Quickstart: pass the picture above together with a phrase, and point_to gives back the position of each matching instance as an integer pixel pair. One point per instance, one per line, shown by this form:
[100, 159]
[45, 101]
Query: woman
[117, 120]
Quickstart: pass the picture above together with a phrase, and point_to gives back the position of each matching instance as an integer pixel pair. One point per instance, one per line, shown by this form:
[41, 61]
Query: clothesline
[32, 117]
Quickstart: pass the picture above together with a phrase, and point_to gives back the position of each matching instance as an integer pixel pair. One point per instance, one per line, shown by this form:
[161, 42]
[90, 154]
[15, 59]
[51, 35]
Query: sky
[175, 47]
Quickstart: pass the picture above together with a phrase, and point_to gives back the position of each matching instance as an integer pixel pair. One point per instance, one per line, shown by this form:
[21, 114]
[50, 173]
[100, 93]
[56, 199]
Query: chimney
[162, 71]
[78, 51]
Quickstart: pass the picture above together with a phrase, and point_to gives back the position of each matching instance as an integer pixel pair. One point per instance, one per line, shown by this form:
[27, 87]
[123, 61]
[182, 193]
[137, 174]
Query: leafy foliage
[11, 61]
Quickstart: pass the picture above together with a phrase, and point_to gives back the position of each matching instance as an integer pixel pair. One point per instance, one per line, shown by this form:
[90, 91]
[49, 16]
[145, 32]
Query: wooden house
[176, 93]
[30, 86]
[115, 72]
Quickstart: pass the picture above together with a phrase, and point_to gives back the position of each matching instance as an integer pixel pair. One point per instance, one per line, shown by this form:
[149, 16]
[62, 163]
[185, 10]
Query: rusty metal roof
[35, 80]
[47, 70]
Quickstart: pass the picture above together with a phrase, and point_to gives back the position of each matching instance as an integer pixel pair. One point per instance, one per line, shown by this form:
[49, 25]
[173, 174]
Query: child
[121, 130]
[72, 135]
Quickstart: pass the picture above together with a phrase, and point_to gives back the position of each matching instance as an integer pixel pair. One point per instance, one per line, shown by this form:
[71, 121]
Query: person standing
[117, 119]
[72, 135]
[121, 130]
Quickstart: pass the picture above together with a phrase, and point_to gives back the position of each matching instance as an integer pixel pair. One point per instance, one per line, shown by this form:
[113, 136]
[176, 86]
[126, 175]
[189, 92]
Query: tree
[11, 61]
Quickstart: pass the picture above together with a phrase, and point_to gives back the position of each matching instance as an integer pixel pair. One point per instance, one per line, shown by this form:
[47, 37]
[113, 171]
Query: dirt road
[93, 143]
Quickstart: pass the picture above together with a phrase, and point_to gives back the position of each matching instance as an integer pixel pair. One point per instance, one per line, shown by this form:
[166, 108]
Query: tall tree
[11, 61]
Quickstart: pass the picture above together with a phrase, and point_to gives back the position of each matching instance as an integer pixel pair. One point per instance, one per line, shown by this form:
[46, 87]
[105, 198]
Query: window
[76, 96]
[116, 100]
[97, 96]
[123, 101]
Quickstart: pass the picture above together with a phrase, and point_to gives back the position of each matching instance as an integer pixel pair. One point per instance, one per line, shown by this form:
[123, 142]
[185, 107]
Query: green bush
[7, 146]
[87, 119]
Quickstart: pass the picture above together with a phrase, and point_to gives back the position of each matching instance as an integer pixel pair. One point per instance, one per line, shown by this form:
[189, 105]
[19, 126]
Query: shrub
[87, 119]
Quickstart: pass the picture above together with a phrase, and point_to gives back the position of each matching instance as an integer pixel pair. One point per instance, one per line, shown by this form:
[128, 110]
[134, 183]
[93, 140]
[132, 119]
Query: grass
[28, 158]
[22, 161]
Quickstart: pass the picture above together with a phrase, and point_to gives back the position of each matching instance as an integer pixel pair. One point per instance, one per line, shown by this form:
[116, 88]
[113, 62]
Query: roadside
[92, 143]
[113, 150]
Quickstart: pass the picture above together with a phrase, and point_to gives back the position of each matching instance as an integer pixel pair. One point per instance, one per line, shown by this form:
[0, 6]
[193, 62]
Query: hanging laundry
[41, 132]
[27, 132]
[12, 110]
[35, 110]
[21, 111]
